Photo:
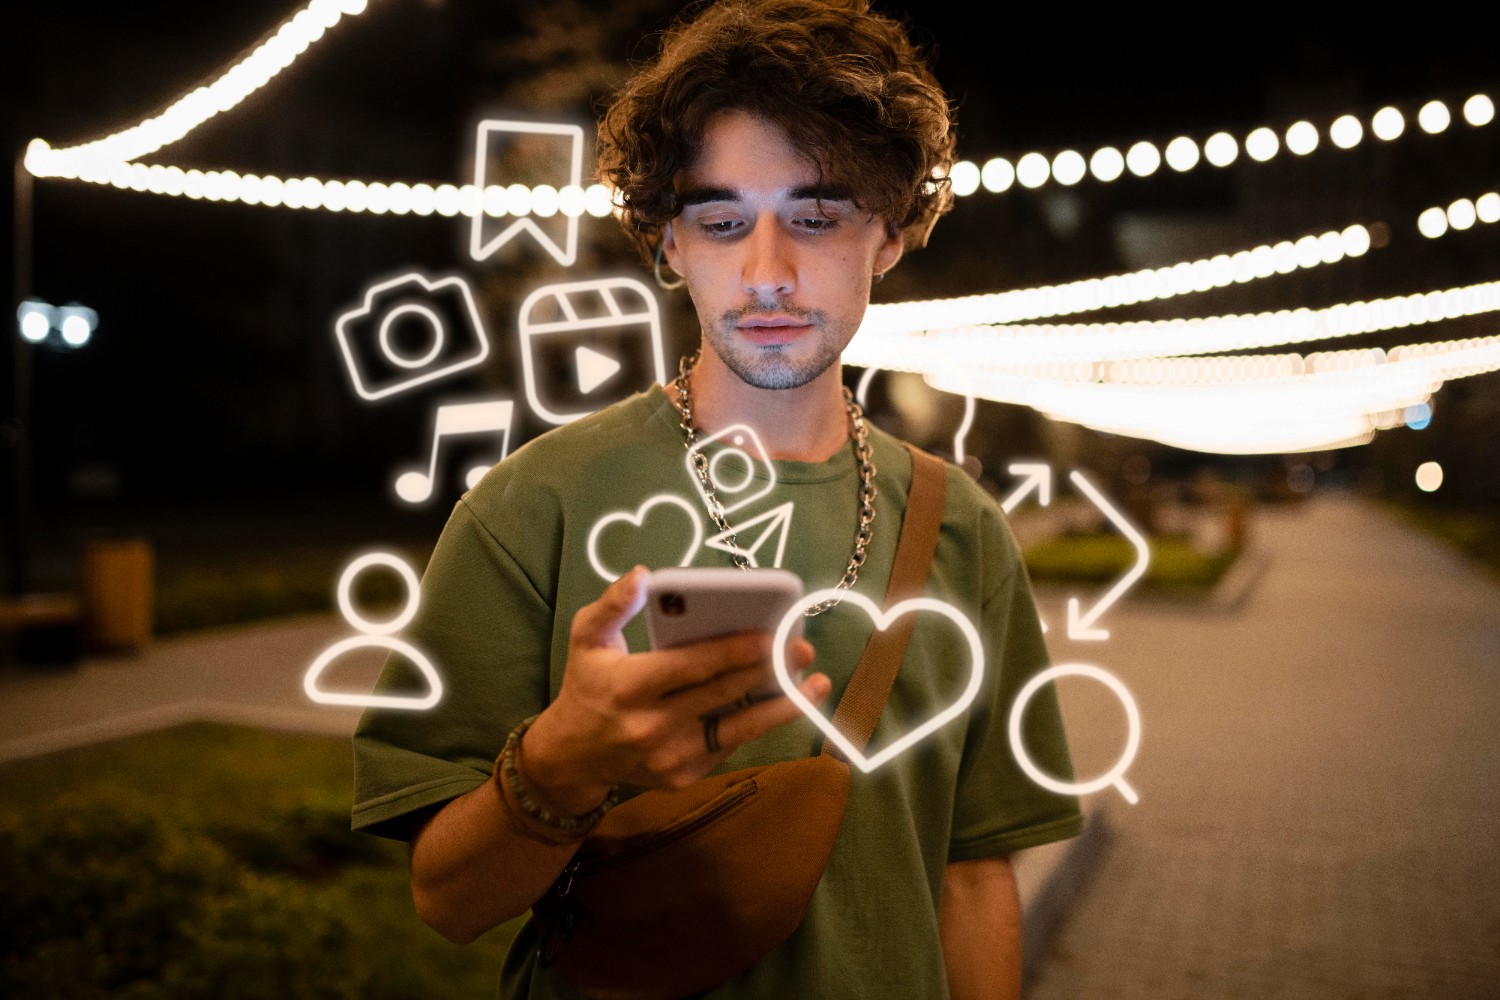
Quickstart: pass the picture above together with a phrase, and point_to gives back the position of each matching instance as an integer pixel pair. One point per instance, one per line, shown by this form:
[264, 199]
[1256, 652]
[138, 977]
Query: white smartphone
[693, 603]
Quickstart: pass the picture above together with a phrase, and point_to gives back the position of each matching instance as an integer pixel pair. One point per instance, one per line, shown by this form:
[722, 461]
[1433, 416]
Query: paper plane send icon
[594, 369]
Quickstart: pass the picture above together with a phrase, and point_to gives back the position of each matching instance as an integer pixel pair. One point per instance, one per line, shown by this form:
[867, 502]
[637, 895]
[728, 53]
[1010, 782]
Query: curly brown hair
[846, 84]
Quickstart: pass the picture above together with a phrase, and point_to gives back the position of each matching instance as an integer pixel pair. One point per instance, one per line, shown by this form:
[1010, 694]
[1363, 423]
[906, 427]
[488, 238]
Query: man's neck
[805, 424]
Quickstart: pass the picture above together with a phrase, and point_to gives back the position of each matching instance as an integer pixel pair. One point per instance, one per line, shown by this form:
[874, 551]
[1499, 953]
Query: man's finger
[599, 623]
[739, 728]
[665, 672]
[741, 686]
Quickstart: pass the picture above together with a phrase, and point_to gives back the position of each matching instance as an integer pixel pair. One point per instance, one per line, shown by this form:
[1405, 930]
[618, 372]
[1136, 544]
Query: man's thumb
[599, 623]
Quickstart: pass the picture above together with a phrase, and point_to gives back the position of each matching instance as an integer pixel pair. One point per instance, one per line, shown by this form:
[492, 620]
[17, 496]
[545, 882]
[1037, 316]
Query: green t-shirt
[513, 566]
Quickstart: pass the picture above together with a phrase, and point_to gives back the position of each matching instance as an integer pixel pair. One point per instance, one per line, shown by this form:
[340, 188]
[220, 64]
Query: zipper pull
[564, 883]
[550, 941]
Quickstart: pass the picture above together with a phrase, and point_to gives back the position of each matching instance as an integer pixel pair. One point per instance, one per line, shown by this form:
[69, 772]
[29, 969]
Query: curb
[318, 722]
[1231, 591]
[1049, 877]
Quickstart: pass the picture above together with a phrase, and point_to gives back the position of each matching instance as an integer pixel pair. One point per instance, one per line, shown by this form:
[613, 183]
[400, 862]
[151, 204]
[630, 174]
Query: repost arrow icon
[1081, 626]
[1038, 477]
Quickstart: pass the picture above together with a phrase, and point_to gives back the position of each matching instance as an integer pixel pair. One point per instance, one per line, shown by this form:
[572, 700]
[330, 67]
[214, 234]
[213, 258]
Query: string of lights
[267, 60]
[1148, 285]
[1459, 215]
[1334, 402]
[1034, 344]
[1144, 158]
[115, 158]
[375, 197]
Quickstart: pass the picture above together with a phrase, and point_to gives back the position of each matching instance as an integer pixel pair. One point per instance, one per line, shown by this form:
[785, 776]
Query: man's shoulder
[605, 446]
[965, 497]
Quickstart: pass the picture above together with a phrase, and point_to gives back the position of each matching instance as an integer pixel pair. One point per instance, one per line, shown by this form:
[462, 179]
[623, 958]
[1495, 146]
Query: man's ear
[669, 247]
[890, 249]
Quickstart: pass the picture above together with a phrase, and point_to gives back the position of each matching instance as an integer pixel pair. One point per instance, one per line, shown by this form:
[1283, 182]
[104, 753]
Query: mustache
[813, 317]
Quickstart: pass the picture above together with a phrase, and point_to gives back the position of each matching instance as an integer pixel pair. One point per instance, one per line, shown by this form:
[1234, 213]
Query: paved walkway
[1319, 773]
[1319, 780]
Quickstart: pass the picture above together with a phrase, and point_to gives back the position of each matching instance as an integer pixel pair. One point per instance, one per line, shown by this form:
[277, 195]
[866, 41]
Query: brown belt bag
[675, 892]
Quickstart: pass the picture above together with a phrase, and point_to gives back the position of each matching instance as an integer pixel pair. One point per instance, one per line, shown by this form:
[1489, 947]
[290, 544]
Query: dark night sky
[213, 371]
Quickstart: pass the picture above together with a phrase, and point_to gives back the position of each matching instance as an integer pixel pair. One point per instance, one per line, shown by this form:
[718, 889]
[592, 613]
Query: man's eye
[719, 227]
[816, 224]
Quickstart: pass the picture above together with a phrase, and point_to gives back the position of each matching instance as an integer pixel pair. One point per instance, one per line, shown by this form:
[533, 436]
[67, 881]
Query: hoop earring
[661, 282]
[879, 277]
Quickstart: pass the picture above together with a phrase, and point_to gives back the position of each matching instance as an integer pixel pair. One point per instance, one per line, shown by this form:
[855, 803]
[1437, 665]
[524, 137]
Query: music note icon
[457, 420]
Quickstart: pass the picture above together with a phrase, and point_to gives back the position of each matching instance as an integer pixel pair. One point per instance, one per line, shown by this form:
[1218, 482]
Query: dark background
[213, 383]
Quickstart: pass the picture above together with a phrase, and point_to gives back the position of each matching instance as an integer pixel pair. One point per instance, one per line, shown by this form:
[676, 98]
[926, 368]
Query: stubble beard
[775, 367]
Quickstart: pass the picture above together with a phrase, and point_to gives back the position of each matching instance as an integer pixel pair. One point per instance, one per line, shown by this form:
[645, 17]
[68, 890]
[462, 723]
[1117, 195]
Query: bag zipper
[668, 836]
[547, 946]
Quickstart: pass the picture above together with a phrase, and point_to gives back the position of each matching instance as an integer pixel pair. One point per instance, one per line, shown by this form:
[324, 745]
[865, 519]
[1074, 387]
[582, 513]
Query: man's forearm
[979, 920]
[472, 868]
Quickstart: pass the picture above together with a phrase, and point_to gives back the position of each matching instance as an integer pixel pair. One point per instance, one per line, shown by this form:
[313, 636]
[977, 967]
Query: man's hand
[637, 719]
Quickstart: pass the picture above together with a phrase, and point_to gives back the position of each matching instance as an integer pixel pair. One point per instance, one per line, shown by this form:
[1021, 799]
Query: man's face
[779, 268]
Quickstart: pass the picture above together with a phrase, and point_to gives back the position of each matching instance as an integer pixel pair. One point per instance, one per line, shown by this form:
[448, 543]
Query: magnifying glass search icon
[1114, 776]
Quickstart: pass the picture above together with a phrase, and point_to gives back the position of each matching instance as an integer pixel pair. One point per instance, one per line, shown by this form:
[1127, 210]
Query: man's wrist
[553, 778]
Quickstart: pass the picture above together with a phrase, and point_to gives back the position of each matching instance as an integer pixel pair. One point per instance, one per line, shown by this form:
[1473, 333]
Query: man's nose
[770, 261]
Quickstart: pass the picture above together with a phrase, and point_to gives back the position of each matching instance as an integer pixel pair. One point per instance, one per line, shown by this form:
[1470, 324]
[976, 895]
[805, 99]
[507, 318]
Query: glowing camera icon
[735, 454]
[587, 344]
[410, 331]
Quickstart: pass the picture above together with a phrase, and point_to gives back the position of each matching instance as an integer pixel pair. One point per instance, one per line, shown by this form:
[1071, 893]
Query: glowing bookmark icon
[483, 244]
[458, 420]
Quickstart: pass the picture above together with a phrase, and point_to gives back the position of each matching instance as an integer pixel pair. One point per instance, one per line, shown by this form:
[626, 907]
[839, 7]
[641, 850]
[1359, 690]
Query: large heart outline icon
[639, 518]
[882, 620]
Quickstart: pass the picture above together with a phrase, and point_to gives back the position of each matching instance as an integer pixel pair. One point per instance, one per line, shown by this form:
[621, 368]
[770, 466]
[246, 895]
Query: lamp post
[18, 431]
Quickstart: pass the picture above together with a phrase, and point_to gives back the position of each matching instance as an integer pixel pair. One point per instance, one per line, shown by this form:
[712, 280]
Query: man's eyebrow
[822, 192]
[702, 195]
[808, 192]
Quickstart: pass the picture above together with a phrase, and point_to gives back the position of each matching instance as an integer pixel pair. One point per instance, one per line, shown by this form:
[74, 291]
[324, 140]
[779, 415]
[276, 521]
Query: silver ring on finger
[711, 733]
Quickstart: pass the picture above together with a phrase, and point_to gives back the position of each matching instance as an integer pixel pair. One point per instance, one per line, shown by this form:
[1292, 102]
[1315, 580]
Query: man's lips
[772, 329]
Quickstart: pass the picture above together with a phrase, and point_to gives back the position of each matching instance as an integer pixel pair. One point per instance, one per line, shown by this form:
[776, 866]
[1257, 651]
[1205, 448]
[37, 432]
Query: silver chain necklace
[859, 434]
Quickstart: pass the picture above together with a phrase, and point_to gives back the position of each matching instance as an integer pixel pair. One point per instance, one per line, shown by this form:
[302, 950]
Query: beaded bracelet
[571, 827]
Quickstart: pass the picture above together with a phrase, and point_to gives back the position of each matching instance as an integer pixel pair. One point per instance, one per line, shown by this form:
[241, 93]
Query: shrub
[105, 898]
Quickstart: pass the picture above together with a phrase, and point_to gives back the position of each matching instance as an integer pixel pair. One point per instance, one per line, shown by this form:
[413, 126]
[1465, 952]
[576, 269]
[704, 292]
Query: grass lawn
[212, 861]
[1474, 531]
[1176, 567]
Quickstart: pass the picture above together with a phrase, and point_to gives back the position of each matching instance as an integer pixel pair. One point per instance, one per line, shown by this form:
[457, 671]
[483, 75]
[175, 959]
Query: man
[780, 156]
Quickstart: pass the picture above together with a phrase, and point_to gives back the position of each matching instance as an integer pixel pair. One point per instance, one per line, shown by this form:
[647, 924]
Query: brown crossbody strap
[864, 699]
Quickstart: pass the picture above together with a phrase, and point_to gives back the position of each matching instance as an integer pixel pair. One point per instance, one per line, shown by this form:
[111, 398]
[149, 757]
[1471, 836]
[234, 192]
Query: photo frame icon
[482, 242]
[445, 307]
[619, 315]
[730, 458]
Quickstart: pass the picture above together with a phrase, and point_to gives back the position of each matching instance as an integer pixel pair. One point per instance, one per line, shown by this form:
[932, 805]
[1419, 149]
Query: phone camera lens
[672, 604]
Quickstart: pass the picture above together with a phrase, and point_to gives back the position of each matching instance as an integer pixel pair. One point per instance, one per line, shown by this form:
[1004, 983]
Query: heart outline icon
[882, 620]
[637, 519]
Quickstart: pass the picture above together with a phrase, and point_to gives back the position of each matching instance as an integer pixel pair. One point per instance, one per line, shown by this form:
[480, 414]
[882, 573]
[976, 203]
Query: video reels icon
[605, 332]
[379, 636]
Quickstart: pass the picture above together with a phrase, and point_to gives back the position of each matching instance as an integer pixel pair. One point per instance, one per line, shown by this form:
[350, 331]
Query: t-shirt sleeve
[485, 627]
[998, 808]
